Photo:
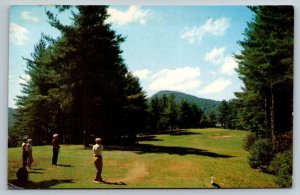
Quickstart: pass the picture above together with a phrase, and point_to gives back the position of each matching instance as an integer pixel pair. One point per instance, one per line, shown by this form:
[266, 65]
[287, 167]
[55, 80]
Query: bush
[260, 154]
[249, 141]
[284, 141]
[282, 166]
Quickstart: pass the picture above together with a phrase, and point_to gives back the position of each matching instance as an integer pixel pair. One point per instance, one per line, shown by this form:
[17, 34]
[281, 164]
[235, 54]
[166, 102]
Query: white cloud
[142, 74]
[229, 66]
[216, 86]
[133, 14]
[215, 56]
[213, 73]
[215, 27]
[181, 79]
[26, 15]
[24, 79]
[18, 34]
[228, 63]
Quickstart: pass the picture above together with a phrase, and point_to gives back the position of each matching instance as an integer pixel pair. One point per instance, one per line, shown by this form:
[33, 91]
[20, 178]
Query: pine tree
[36, 107]
[211, 119]
[170, 114]
[136, 109]
[196, 116]
[80, 86]
[233, 119]
[101, 92]
[266, 68]
[227, 114]
[189, 115]
[185, 115]
[154, 113]
[223, 113]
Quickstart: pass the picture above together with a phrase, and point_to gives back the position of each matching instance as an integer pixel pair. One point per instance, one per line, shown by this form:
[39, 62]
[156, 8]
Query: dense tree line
[206, 105]
[80, 86]
[167, 114]
[227, 114]
[265, 106]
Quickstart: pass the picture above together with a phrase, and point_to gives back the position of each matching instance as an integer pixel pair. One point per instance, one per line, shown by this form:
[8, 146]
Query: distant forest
[206, 105]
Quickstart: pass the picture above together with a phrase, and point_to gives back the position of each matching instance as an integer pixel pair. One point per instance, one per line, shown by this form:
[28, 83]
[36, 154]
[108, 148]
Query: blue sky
[184, 48]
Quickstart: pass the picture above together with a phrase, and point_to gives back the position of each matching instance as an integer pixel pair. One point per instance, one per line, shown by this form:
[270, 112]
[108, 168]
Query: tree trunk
[273, 131]
[268, 100]
[86, 118]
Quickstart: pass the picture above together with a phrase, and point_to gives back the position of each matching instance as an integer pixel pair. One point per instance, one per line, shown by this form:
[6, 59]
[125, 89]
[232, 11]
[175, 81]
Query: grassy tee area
[182, 159]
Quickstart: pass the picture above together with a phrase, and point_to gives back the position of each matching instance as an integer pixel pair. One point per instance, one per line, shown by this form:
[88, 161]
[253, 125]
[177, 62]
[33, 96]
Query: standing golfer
[56, 147]
[30, 158]
[97, 150]
[25, 151]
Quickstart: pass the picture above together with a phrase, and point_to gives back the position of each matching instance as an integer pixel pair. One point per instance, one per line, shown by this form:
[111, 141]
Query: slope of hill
[11, 118]
[205, 104]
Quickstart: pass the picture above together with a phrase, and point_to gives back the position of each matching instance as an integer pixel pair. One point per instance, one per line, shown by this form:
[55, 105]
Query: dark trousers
[25, 157]
[55, 156]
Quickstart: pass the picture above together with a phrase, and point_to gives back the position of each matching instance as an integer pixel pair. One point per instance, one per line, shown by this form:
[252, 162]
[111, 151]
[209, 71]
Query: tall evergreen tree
[170, 115]
[227, 114]
[79, 83]
[37, 110]
[155, 113]
[136, 109]
[100, 91]
[189, 115]
[196, 116]
[185, 114]
[223, 113]
[211, 119]
[266, 68]
[233, 116]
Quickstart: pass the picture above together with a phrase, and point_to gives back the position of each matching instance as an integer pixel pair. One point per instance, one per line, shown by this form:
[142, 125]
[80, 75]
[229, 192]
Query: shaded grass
[182, 159]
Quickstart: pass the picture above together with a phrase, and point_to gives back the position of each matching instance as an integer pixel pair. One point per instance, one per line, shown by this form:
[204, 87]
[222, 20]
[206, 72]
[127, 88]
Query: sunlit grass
[187, 159]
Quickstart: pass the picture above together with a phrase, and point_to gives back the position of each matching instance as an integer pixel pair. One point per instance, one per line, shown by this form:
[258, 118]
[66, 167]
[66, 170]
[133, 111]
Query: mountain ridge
[205, 104]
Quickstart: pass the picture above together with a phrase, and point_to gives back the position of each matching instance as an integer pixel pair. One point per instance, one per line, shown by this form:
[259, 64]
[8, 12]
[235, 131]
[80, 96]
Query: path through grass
[184, 159]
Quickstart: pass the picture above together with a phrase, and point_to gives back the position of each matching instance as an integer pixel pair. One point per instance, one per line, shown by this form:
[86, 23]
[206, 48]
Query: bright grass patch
[183, 159]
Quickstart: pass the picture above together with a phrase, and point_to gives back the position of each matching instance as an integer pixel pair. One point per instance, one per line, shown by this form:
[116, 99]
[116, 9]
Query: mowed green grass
[186, 159]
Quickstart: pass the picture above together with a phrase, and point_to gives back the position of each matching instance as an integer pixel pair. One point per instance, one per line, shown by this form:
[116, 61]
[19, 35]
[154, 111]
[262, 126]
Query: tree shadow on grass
[183, 132]
[151, 137]
[172, 132]
[148, 138]
[38, 169]
[38, 185]
[176, 150]
[35, 172]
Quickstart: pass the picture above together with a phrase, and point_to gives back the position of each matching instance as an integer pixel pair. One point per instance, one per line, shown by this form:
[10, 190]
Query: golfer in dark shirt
[56, 147]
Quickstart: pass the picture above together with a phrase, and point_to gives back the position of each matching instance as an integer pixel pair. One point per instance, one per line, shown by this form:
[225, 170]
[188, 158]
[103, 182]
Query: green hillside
[205, 104]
